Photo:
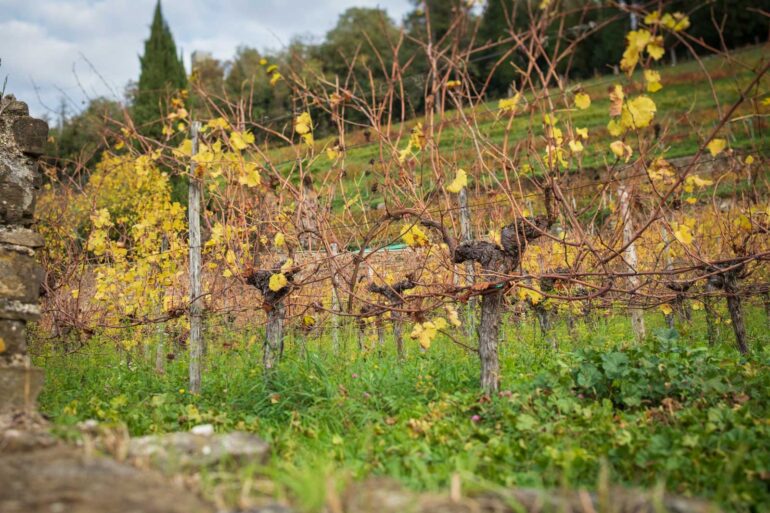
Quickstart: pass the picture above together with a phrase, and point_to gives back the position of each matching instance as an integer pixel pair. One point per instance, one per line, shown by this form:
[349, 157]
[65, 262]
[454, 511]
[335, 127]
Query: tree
[79, 139]
[162, 72]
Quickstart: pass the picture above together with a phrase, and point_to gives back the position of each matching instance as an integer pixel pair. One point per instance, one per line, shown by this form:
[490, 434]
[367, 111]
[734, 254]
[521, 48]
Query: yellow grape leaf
[691, 200]
[286, 267]
[749, 160]
[414, 237]
[576, 146]
[652, 18]
[638, 113]
[263, 62]
[309, 321]
[440, 323]
[636, 40]
[332, 153]
[614, 128]
[582, 101]
[698, 181]
[460, 181]
[550, 120]
[275, 78]
[453, 83]
[676, 22]
[453, 316]
[666, 309]
[417, 138]
[241, 140]
[272, 68]
[218, 123]
[682, 233]
[75, 293]
[655, 48]
[716, 146]
[277, 282]
[621, 150]
[652, 78]
[509, 104]
[743, 223]
[227, 273]
[250, 176]
[424, 333]
[280, 240]
[616, 100]
[582, 133]
[2, 345]
[303, 124]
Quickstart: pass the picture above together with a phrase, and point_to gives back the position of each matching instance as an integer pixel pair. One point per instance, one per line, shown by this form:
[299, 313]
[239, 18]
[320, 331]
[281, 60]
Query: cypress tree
[162, 72]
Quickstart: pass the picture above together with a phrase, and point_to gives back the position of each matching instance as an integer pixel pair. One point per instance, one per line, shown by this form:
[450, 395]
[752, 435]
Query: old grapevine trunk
[489, 333]
[275, 310]
[273, 336]
[496, 263]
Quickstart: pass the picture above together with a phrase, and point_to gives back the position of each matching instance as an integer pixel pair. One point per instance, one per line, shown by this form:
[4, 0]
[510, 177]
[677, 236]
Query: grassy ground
[670, 409]
[688, 108]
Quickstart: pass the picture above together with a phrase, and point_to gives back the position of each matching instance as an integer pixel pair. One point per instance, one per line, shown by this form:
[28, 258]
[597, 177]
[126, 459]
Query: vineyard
[563, 288]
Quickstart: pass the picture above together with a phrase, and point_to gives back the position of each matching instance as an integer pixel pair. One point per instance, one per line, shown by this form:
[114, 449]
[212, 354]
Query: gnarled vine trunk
[273, 336]
[275, 310]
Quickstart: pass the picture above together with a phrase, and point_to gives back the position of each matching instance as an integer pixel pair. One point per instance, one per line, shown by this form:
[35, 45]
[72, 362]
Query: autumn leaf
[277, 282]
[575, 146]
[666, 309]
[250, 176]
[638, 113]
[303, 124]
[241, 140]
[279, 240]
[652, 79]
[509, 104]
[682, 233]
[621, 150]
[582, 133]
[582, 101]
[460, 181]
[716, 146]
[616, 100]
[414, 237]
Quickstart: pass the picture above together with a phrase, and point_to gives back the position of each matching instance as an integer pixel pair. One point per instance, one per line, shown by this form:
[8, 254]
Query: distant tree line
[358, 51]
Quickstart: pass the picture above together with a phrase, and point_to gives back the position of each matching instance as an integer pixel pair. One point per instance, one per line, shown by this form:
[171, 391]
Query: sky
[81, 49]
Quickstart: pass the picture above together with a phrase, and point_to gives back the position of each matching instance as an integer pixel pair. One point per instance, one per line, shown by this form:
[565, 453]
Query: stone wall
[22, 139]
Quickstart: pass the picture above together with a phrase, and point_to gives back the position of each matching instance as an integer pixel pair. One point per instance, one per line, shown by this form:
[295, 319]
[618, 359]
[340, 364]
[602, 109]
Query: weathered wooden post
[194, 223]
[637, 318]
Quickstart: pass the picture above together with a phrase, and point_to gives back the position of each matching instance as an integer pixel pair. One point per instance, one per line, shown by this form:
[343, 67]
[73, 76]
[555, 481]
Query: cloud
[50, 45]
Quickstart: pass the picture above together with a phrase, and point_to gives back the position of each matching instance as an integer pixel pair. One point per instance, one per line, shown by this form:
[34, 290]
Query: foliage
[670, 409]
[162, 74]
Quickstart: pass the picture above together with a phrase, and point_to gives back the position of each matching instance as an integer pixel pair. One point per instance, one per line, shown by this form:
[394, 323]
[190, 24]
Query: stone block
[20, 276]
[19, 388]
[13, 107]
[18, 310]
[18, 183]
[30, 135]
[20, 237]
[12, 340]
[182, 450]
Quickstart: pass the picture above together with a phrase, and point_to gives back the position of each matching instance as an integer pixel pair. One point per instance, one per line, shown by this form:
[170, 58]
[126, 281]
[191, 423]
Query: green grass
[670, 409]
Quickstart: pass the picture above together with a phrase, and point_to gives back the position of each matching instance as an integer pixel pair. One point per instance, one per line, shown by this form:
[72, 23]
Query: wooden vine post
[637, 318]
[194, 242]
[467, 235]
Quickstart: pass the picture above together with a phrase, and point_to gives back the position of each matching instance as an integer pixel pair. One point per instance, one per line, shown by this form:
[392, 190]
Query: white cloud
[43, 41]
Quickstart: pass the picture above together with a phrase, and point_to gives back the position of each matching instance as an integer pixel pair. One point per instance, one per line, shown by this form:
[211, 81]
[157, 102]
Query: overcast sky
[48, 44]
